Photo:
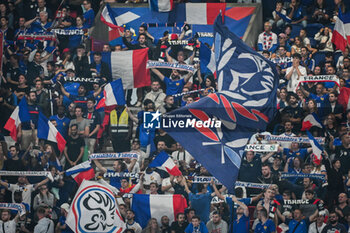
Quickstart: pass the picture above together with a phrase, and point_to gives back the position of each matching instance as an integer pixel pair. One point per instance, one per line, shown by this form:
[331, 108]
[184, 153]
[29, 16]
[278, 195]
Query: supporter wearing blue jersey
[174, 84]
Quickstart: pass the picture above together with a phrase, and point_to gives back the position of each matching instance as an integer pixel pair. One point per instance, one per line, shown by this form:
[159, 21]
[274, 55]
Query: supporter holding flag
[19, 115]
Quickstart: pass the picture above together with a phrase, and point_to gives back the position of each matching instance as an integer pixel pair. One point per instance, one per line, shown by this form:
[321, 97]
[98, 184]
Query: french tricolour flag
[113, 94]
[197, 13]
[109, 17]
[310, 121]
[316, 149]
[164, 161]
[155, 206]
[82, 171]
[47, 131]
[161, 5]
[130, 66]
[341, 33]
[19, 115]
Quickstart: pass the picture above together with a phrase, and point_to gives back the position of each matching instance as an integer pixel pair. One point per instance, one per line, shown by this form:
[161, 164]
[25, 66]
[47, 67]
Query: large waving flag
[310, 121]
[130, 66]
[197, 13]
[316, 149]
[109, 17]
[95, 209]
[155, 206]
[341, 33]
[113, 94]
[161, 5]
[164, 161]
[47, 131]
[82, 171]
[245, 102]
[19, 115]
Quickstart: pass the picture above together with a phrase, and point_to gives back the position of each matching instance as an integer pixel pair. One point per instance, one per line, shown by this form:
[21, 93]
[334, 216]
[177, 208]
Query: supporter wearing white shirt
[294, 73]
[151, 177]
[181, 154]
[23, 186]
[7, 225]
[45, 225]
[317, 226]
[288, 126]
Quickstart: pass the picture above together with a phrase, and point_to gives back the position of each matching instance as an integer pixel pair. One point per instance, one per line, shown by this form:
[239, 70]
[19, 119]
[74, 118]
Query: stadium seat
[319, 56]
[312, 29]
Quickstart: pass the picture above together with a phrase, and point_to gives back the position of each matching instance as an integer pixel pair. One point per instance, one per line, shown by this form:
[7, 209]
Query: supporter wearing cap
[62, 226]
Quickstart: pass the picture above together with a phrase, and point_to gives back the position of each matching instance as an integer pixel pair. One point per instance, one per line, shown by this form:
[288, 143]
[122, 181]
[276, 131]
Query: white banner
[121, 174]
[27, 173]
[262, 147]
[20, 208]
[168, 65]
[278, 138]
[320, 78]
[207, 179]
[94, 209]
[113, 156]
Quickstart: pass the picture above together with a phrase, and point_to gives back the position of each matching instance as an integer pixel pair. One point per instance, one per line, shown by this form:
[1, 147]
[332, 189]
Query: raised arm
[217, 193]
[188, 76]
[99, 165]
[241, 204]
[158, 73]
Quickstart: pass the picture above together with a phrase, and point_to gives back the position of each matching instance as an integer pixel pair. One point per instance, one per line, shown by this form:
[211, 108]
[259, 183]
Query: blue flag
[245, 102]
[284, 17]
[23, 113]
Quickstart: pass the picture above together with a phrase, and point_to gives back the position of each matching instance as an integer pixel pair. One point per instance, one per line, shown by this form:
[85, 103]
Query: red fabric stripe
[339, 41]
[61, 142]
[141, 75]
[306, 125]
[80, 101]
[86, 175]
[33, 112]
[174, 171]
[213, 10]
[343, 97]
[11, 126]
[179, 204]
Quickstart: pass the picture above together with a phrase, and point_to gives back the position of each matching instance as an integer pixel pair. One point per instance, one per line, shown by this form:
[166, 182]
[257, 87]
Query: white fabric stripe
[169, 163]
[52, 133]
[15, 116]
[164, 5]
[339, 27]
[347, 29]
[110, 98]
[161, 205]
[105, 15]
[196, 13]
[122, 67]
[126, 18]
[212, 64]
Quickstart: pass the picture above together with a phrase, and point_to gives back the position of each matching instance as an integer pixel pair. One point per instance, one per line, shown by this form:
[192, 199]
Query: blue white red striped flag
[161, 5]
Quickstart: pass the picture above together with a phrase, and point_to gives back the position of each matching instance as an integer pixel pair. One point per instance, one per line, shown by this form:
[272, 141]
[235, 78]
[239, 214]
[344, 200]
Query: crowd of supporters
[38, 65]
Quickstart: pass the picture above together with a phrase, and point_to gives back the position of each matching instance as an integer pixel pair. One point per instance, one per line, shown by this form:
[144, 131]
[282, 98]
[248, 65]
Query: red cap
[65, 50]
[174, 36]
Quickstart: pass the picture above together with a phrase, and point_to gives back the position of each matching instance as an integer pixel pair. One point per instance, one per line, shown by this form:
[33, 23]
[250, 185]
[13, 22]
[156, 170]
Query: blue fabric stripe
[43, 127]
[142, 208]
[159, 160]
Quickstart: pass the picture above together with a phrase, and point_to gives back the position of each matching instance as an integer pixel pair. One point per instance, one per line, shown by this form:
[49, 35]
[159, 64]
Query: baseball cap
[65, 206]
